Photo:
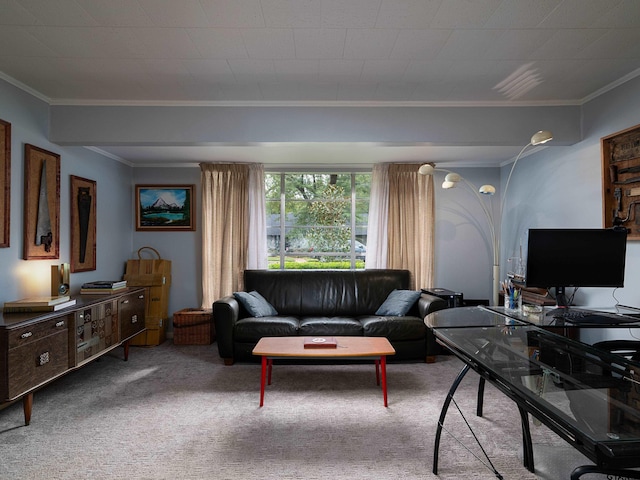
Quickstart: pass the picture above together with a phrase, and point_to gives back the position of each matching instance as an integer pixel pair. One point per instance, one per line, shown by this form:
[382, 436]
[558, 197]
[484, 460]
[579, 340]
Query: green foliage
[330, 232]
[316, 212]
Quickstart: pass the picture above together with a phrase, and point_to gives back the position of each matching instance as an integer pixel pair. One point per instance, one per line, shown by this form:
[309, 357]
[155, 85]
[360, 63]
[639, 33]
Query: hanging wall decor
[169, 208]
[5, 182]
[83, 224]
[41, 204]
[621, 181]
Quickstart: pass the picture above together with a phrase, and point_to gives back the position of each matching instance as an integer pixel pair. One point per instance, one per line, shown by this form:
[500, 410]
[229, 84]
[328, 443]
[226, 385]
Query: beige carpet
[177, 412]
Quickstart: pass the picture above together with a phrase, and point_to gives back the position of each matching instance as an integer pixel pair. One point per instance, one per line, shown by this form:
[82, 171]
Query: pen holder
[513, 299]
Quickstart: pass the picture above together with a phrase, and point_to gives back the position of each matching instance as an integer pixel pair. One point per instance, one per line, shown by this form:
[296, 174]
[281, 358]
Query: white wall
[464, 245]
[29, 118]
[562, 187]
[559, 186]
[184, 249]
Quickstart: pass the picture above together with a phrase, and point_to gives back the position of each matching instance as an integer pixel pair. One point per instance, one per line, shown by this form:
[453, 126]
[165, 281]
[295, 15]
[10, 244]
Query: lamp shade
[487, 190]
[452, 177]
[543, 136]
[426, 169]
[447, 185]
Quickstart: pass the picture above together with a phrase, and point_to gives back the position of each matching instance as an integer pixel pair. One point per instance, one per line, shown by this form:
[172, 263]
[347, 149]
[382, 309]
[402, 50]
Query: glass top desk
[589, 397]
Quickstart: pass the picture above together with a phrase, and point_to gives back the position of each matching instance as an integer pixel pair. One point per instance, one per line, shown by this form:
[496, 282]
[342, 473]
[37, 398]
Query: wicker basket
[193, 326]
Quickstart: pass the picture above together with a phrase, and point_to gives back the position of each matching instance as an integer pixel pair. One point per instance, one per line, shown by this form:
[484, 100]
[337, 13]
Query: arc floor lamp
[452, 179]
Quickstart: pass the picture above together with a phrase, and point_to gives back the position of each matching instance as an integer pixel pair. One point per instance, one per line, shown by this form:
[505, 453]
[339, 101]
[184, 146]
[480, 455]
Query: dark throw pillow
[398, 303]
[255, 304]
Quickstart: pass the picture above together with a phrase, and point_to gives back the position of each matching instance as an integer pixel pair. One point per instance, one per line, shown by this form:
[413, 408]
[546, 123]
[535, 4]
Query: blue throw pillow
[255, 304]
[398, 303]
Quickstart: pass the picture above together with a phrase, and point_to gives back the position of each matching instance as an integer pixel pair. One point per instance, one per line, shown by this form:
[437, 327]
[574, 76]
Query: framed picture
[5, 182]
[620, 154]
[168, 208]
[41, 204]
[83, 224]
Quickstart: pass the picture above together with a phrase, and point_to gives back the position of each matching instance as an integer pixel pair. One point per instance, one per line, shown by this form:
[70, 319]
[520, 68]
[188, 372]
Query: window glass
[317, 220]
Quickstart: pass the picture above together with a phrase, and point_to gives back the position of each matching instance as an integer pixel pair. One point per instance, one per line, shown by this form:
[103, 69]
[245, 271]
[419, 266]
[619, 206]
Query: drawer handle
[26, 335]
[134, 319]
[60, 324]
[140, 296]
[125, 301]
[43, 358]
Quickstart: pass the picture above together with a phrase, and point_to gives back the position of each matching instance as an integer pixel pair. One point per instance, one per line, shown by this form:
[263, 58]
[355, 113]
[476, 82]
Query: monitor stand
[561, 303]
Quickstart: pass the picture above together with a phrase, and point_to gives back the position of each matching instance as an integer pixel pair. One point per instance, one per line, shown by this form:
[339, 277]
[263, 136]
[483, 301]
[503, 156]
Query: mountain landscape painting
[165, 207]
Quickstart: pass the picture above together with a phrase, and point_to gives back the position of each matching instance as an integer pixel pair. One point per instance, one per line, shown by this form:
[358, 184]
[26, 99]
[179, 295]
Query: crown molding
[328, 103]
[99, 151]
[25, 88]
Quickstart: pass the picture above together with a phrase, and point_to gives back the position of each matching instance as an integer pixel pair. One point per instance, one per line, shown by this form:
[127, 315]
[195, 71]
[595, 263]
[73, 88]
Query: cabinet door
[96, 329]
[37, 362]
[131, 314]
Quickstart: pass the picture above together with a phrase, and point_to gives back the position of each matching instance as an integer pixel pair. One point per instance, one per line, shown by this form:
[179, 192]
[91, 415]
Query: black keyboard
[578, 316]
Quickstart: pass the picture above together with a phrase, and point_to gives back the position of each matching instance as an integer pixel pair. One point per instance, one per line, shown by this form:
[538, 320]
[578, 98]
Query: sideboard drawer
[25, 335]
[35, 363]
[131, 315]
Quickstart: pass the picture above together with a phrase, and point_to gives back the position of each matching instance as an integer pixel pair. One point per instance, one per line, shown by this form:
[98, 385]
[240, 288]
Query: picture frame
[620, 155]
[5, 182]
[165, 208]
[41, 179]
[83, 202]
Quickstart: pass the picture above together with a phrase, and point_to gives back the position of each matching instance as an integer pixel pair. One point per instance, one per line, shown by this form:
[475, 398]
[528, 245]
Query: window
[317, 220]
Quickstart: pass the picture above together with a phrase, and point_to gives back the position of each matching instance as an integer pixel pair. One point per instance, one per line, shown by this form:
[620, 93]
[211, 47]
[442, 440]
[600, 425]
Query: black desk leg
[443, 414]
[527, 444]
[616, 472]
[480, 404]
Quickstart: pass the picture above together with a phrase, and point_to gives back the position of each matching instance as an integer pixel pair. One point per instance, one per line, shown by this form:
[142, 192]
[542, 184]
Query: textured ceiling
[435, 51]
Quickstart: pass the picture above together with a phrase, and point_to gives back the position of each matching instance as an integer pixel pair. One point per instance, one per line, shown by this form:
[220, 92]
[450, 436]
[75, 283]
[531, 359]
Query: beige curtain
[377, 242]
[411, 223]
[225, 226]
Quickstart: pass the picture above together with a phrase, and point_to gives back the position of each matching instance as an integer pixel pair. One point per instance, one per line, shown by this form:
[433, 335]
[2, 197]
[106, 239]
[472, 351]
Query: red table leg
[263, 375]
[383, 367]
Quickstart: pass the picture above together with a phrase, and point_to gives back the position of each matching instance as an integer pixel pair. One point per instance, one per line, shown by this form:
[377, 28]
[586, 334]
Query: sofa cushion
[255, 304]
[252, 329]
[394, 328]
[398, 302]
[335, 326]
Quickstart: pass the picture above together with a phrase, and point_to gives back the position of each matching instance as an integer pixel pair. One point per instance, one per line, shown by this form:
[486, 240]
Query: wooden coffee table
[349, 348]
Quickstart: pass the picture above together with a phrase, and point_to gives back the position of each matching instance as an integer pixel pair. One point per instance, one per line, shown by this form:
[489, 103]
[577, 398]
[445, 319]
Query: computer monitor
[578, 257]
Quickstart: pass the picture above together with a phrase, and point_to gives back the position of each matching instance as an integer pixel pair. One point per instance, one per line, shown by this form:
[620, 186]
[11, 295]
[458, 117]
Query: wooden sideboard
[37, 348]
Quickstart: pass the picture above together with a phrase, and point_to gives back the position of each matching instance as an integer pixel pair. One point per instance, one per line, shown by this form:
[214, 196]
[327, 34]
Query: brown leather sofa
[325, 303]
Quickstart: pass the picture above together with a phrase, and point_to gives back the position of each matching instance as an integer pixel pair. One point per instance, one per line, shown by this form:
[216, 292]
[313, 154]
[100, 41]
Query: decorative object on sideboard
[452, 179]
[102, 287]
[5, 182]
[60, 279]
[166, 208]
[83, 224]
[620, 154]
[39, 304]
[41, 204]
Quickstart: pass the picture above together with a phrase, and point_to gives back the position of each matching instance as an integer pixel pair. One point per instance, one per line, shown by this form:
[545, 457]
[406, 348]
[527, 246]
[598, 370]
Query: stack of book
[103, 287]
[38, 304]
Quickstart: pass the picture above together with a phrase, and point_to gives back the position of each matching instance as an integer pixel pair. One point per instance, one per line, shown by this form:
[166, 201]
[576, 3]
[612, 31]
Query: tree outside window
[317, 220]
